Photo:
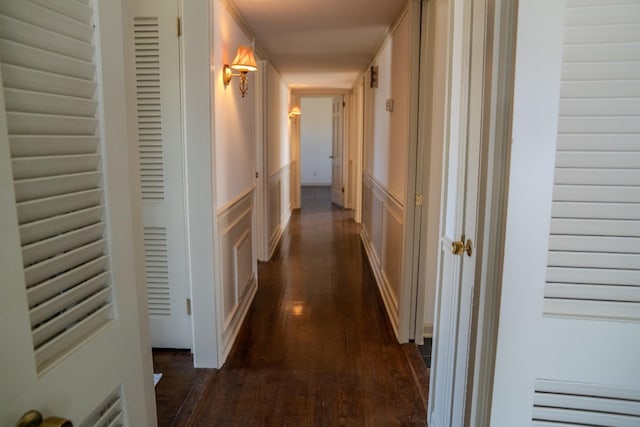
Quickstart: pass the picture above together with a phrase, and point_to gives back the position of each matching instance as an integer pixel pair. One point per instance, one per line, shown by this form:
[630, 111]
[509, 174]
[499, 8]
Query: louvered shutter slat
[571, 403]
[593, 275]
[61, 322]
[33, 167]
[595, 227]
[598, 159]
[597, 193]
[589, 403]
[38, 59]
[29, 189]
[71, 9]
[43, 210]
[43, 291]
[27, 101]
[108, 414]
[47, 83]
[598, 142]
[38, 231]
[50, 145]
[591, 260]
[595, 244]
[599, 107]
[600, 89]
[597, 210]
[44, 270]
[78, 293]
[45, 18]
[50, 124]
[51, 349]
[591, 418]
[593, 292]
[61, 243]
[35, 36]
[600, 176]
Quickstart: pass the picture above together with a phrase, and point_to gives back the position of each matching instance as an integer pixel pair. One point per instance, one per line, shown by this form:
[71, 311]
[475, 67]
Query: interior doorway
[315, 141]
[322, 145]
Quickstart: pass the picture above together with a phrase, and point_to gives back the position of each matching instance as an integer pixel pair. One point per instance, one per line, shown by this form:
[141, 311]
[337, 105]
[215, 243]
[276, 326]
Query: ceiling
[320, 43]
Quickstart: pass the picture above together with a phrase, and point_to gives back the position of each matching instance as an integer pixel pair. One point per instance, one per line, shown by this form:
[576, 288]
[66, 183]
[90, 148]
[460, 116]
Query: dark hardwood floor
[316, 348]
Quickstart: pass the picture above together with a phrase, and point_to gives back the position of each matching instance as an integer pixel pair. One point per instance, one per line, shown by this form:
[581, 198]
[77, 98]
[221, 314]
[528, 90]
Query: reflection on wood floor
[316, 348]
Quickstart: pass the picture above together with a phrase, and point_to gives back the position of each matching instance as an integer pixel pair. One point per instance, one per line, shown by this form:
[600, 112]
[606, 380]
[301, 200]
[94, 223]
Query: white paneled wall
[382, 228]
[279, 205]
[239, 276]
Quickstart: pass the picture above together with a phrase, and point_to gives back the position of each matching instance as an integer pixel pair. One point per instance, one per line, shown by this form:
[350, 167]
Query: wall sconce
[243, 62]
[295, 112]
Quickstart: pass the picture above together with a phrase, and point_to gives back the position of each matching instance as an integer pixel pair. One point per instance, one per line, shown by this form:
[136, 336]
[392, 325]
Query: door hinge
[344, 104]
[343, 189]
[179, 26]
[188, 306]
[257, 174]
[418, 199]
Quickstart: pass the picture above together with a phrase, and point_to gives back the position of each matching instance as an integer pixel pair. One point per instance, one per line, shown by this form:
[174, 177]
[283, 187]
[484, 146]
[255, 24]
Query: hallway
[316, 348]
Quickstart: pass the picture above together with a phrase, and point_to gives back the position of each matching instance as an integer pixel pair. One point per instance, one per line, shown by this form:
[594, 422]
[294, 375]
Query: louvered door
[69, 315]
[162, 182]
[569, 343]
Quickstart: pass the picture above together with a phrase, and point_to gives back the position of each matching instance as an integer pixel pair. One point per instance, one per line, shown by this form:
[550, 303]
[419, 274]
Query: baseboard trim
[237, 319]
[427, 331]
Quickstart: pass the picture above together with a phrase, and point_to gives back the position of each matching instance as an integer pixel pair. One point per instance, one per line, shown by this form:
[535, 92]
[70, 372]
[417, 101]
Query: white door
[569, 334]
[337, 148]
[70, 322]
[454, 295]
[161, 153]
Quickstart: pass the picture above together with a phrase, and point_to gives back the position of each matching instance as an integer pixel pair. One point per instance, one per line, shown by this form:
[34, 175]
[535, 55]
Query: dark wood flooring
[316, 348]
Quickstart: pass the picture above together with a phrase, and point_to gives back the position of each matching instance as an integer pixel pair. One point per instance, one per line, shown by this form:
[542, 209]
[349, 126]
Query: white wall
[315, 140]
[386, 140]
[234, 123]
[278, 153]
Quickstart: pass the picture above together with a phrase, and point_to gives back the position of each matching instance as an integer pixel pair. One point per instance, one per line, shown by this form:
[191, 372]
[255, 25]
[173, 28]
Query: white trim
[199, 138]
[408, 329]
[235, 201]
[492, 209]
[262, 95]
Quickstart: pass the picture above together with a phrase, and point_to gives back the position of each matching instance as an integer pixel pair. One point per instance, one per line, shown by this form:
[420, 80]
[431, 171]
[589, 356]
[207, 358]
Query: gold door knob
[459, 247]
[33, 418]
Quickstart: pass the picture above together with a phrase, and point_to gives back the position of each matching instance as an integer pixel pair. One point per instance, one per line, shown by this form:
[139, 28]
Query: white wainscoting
[382, 236]
[278, 205]
[239, 284]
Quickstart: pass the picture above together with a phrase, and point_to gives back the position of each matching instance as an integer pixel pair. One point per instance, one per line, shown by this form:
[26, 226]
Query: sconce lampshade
[244, 60]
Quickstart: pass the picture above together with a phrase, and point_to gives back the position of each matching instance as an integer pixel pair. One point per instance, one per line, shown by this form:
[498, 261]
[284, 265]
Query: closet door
[69, 317]
[569, 337]
[162, 183]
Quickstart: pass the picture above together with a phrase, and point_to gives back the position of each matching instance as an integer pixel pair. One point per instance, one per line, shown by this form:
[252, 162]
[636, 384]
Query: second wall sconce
[243, 62]
[295, 112]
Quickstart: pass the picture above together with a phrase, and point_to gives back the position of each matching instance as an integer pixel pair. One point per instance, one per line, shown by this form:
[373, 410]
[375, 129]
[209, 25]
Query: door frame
[499, 58]
[203, 255]
[495, 153]
[295, 96]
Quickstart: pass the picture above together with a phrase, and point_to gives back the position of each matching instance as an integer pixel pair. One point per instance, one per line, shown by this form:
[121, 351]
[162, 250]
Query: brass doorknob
[34, 418]
[459, 247]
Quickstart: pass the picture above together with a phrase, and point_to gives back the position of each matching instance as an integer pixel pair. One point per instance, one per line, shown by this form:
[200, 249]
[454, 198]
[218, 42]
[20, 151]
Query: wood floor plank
[316, 348]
